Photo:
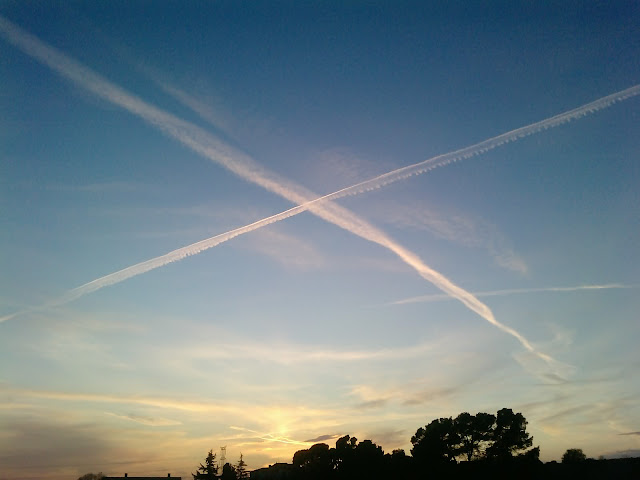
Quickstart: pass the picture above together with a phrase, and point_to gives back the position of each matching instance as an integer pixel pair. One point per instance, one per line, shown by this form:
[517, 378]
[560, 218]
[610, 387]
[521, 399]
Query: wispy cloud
[566, 413]
[454, 227]
[322, 438]
[394, 438]
[292, 354]
[517, 291]
[571, 410]
[429, 395]
[149, 401]
[150, 421]
[202, 109]
[243, 166]
[377, 403]
[104, 187]
[532, 363]
[271, 437]
[412, 394]
[206, 104]
[337, 167]
[273, 414]
[288, 250]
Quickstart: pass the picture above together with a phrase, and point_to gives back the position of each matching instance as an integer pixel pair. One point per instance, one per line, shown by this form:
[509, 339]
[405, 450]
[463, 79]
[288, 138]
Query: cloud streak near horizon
[246, 168]
[269, 437]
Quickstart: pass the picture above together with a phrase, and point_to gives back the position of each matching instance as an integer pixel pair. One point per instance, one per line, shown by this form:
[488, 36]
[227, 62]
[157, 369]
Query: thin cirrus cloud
[201, 142]
[281, 425]
[288, 250]
[322, 438]
[270, 437]
[284, 354]
[408, 395]
[149, 421]
[454, 227]
[293, 412]
[516, 291]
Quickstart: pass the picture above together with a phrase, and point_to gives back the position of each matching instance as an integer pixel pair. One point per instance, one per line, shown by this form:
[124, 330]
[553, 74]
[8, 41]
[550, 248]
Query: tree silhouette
[241, 469]
[398, 464]
[343, 457]
[474, 433]
[91, 476]
[314, 462]
[208, 471]
[483, 435]
[500, 441]
[369, 460]
[531, 456]
[436, 442]
[228, 472]
[509, 436]
[574, 455]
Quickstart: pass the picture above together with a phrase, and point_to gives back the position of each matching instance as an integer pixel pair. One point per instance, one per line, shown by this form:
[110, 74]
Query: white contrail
[201, 142]
[153, 263]
[515, 291]
[485, 145]
[445, 158]
[173, 256]
[370, 184]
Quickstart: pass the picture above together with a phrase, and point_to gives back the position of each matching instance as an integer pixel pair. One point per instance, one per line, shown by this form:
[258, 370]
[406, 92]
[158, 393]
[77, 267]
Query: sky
[263, 225]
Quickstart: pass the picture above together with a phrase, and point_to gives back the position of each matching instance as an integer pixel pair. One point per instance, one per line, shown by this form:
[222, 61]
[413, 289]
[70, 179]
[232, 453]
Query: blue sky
[507, 279]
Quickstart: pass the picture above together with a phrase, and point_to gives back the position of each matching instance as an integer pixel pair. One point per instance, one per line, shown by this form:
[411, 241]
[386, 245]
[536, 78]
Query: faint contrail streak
[515, 291]
[237, 162]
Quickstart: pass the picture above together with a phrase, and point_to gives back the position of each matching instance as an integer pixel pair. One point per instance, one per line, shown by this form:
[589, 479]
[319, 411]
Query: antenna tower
[223, 455]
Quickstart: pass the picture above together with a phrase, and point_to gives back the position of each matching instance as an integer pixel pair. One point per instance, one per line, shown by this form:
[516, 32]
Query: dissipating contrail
[517, 291]
[243, 166]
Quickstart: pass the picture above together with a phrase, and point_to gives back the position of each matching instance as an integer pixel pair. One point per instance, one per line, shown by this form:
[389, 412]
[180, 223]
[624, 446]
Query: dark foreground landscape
[468, 446]
[620, 468]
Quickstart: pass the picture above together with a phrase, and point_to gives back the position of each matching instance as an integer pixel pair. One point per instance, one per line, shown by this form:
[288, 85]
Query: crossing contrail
[445, 158]
[515, 291]
[367, 185]
[246, 168]
[373, 183]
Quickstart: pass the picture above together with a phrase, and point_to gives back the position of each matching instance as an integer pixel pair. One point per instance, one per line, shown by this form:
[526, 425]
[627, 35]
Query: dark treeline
[467, 446]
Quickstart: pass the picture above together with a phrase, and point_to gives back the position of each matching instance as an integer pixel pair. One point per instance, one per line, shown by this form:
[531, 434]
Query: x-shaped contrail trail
[367, 185]
[364, 186]
[245, 167]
